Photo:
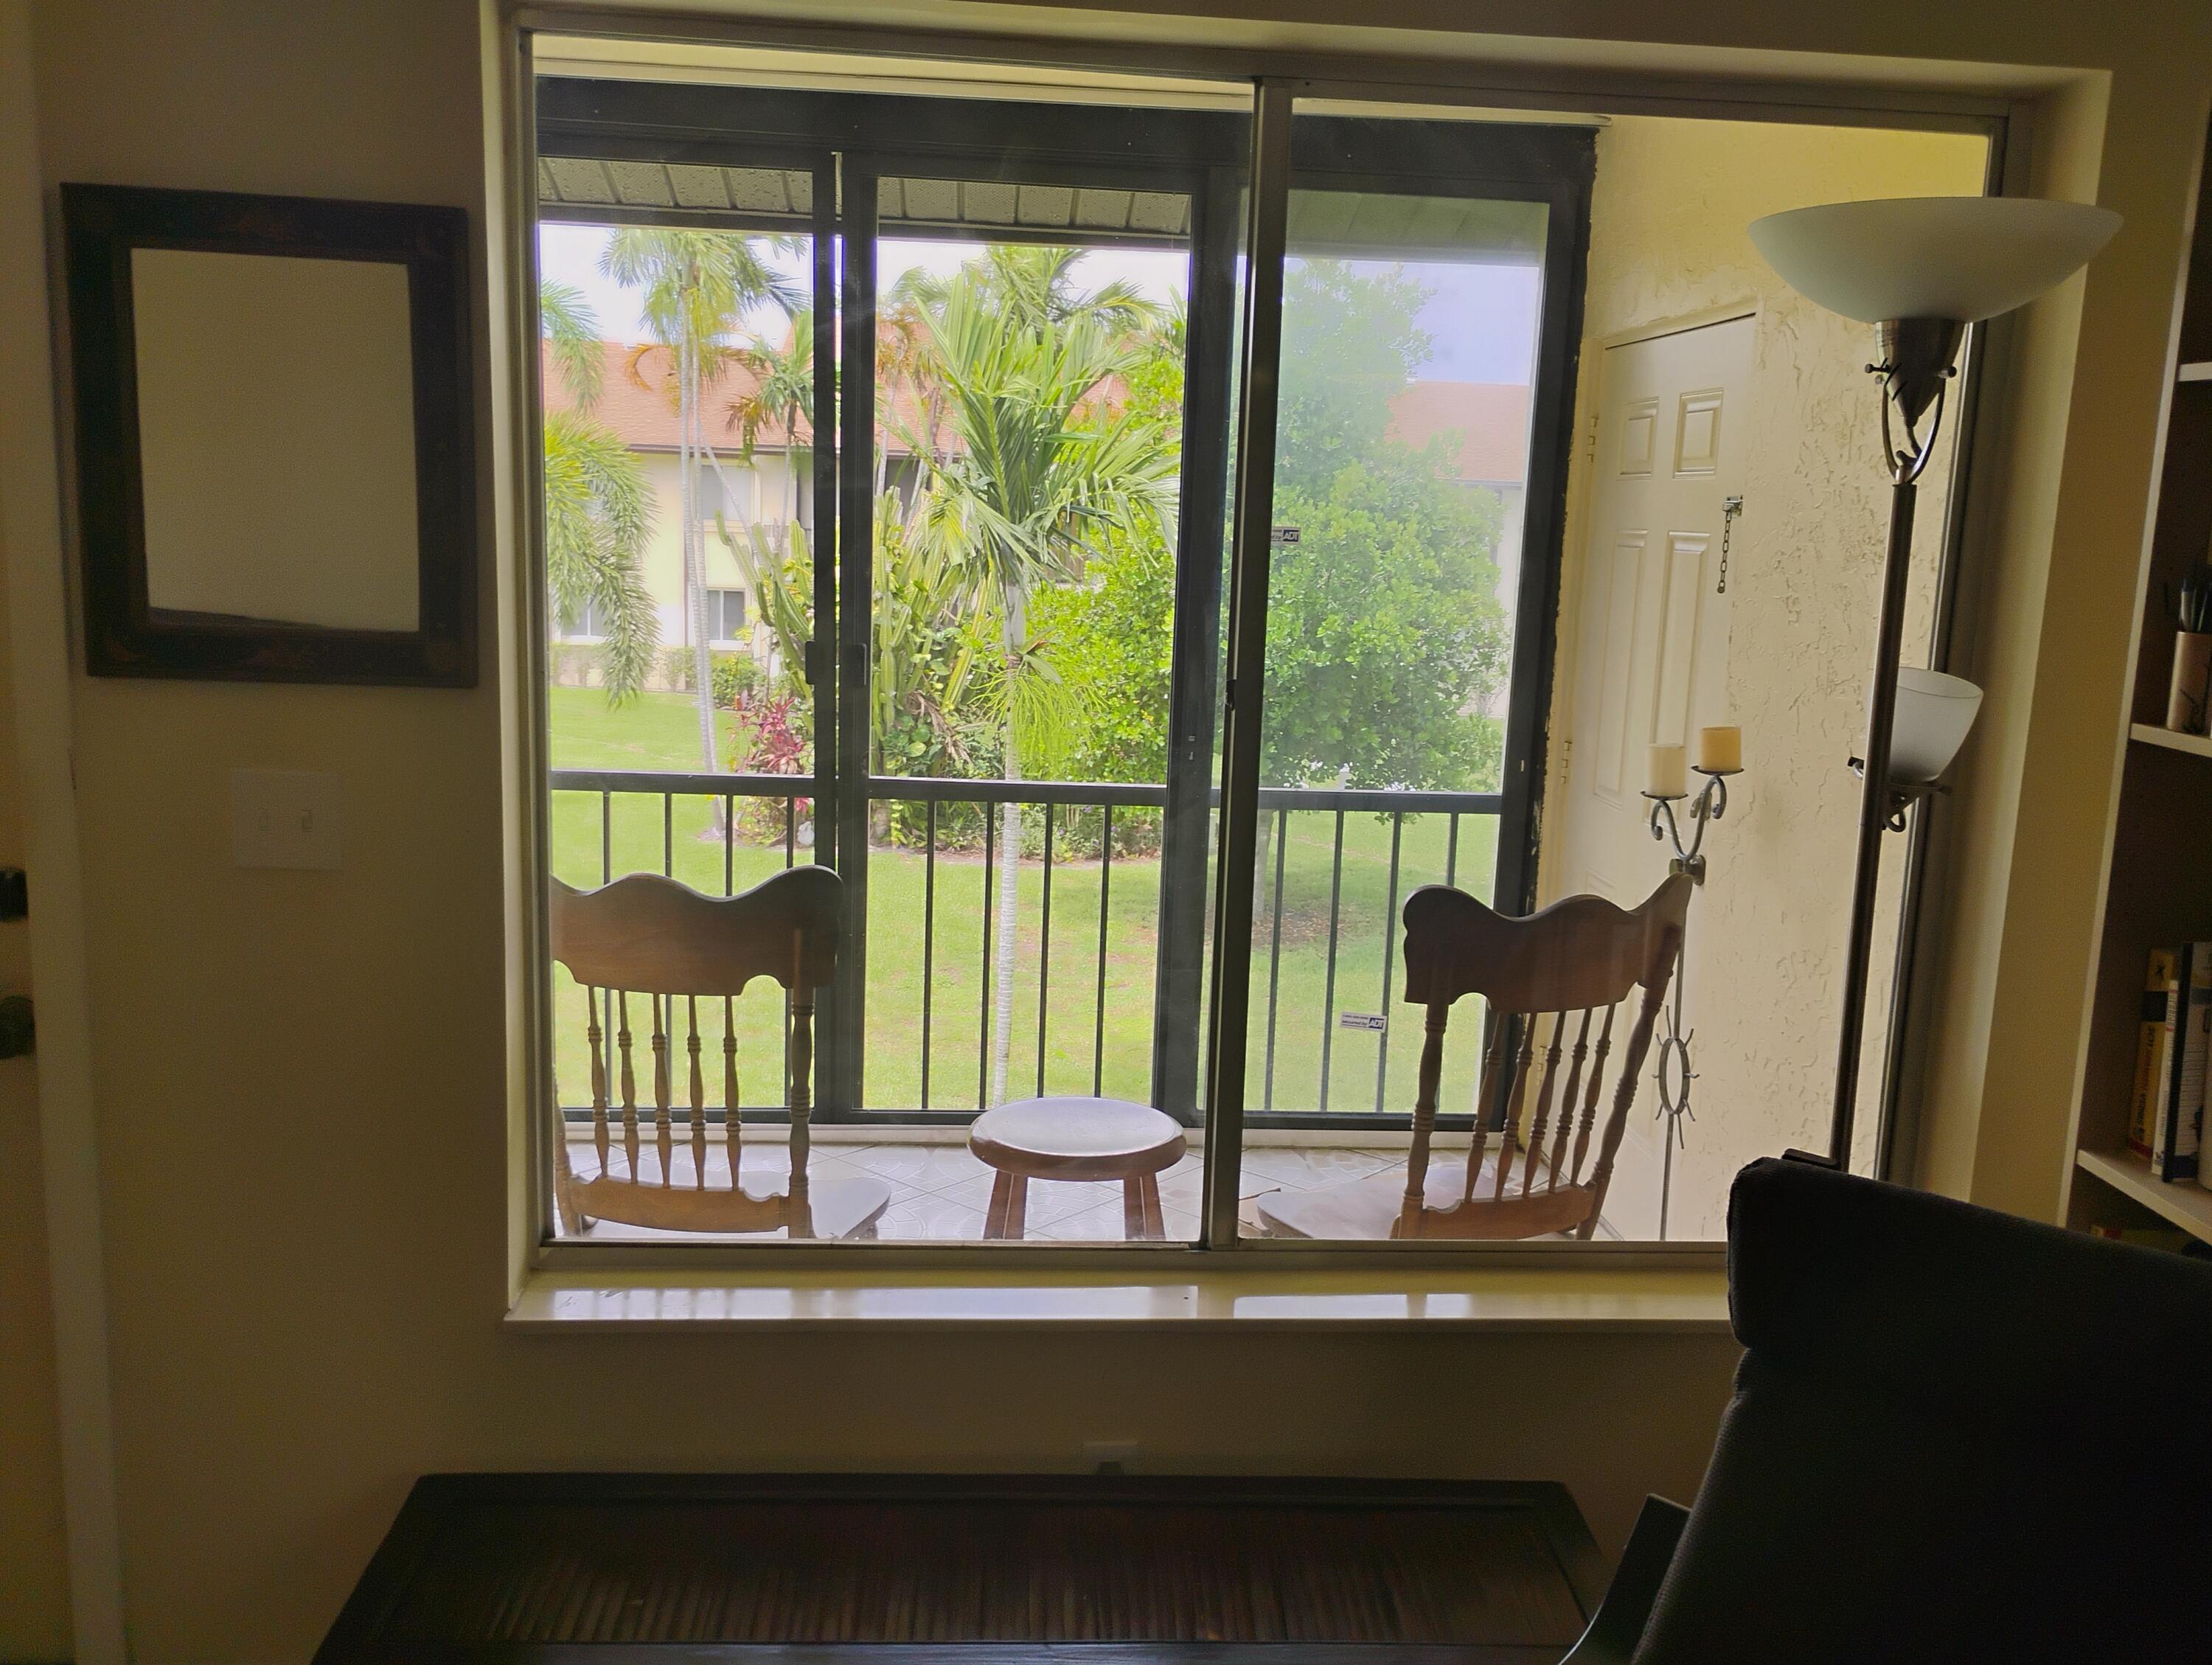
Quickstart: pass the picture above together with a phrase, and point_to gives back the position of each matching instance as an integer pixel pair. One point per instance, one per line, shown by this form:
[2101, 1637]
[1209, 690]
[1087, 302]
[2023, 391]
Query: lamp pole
[1919, 269]
[1915, 368]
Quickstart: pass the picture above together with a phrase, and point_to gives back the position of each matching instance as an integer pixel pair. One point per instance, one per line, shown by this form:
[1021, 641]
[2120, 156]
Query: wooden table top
[892, 1570]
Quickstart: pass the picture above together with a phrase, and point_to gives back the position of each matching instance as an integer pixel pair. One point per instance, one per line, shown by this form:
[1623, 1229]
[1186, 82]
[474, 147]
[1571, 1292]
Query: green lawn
[592, 838]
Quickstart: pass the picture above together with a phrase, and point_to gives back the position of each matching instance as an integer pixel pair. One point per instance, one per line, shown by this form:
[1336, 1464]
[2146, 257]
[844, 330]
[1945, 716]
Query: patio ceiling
[782, 199]
[1390, 225]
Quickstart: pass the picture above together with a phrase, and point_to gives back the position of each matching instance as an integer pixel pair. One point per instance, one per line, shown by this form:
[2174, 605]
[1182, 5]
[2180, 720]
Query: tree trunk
[694, 562]
[1263, 879]
[1010, 856]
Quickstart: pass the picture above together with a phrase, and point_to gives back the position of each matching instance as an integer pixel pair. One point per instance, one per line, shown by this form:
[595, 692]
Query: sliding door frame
[1392, 81]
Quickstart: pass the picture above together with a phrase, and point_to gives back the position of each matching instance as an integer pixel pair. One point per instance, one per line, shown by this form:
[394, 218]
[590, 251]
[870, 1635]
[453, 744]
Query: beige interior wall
[301, 1077]
[1667, 243]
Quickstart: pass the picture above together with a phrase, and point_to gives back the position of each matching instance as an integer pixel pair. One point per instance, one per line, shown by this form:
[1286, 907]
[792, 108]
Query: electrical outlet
[284, 818]
[1110, 1456]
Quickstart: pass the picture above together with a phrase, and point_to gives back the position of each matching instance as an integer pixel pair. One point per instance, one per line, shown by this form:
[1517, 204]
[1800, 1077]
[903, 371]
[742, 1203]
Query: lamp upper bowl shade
[1963, 259]
[1934, 713]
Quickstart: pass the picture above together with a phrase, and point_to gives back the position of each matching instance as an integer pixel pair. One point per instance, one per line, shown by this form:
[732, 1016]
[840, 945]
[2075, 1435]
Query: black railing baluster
[1328, 992]
[1105, 888]
[1044, 949]
[929, 939]
[1071, 801]
[983, 993]
[1275, 957]
[1389, 952]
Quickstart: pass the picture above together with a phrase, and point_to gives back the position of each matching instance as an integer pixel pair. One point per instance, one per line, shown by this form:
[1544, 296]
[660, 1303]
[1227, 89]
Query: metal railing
[1291, 1035]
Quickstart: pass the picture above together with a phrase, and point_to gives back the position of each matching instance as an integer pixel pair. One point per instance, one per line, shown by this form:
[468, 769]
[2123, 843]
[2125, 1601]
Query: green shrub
[737, 678]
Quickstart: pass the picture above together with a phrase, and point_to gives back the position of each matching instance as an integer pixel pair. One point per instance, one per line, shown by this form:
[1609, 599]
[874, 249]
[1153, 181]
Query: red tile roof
[1491, 418]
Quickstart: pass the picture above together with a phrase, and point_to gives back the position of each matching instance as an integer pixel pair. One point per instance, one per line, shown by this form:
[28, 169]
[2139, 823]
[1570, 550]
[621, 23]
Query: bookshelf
[2150, 734]
[2159, 890]
[2189, 1207]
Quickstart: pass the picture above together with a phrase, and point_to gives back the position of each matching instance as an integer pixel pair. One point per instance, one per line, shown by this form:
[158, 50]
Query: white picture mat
[276, 438]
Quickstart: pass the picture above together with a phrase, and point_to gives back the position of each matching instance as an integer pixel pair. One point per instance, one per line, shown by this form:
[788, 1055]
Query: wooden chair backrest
[647, 936]
[1573, 963]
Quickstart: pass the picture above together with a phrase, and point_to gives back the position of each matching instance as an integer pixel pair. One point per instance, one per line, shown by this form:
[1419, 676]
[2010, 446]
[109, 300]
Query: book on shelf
[2179, 1110]
[2150, 1040]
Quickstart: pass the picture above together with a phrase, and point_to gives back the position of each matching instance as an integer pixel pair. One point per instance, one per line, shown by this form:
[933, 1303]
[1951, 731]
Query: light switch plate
[284, 818]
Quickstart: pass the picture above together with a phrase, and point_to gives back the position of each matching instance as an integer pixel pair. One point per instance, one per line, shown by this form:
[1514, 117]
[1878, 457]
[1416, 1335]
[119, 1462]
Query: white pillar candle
[1668, 773]
[1720, 749]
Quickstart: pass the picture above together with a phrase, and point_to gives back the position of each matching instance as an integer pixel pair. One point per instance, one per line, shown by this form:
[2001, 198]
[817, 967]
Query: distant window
[725, 615]
[588, 621]
[727, 491]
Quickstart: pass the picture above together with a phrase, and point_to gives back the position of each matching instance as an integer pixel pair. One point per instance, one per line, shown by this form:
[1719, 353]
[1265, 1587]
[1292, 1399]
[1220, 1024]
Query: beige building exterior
[1488, 420]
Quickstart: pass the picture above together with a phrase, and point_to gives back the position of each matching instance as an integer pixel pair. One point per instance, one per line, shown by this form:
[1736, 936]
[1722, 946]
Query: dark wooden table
[905, 1570]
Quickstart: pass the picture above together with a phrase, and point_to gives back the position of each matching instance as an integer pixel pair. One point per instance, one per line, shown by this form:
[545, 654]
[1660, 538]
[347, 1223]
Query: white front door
[1651, 665]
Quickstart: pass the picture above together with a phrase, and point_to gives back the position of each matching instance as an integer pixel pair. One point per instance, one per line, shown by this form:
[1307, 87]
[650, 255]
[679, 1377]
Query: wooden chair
[1574, 962]
[645, 940]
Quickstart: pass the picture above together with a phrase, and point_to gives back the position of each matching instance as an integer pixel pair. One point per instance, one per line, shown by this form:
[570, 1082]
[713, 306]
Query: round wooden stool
[1076, 1139]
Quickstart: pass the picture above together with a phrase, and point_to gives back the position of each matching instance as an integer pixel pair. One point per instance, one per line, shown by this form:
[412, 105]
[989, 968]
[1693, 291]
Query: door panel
[1652, 636]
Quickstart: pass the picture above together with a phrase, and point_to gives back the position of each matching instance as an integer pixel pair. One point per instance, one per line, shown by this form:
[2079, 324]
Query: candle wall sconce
[1673, 1072]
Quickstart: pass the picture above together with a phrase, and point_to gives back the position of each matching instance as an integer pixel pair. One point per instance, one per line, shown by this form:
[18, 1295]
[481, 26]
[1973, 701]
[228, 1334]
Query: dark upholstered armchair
[1955, 1435]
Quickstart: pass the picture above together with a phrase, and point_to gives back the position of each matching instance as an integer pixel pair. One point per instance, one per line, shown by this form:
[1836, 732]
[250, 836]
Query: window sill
[1580, 1301]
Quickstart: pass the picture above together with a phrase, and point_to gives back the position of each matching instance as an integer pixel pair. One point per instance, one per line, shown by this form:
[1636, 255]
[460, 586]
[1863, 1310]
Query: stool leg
[1009, 1197]
[1140, 1209]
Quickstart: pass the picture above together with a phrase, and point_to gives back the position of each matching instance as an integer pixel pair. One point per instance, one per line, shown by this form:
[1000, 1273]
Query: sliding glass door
[943, 390]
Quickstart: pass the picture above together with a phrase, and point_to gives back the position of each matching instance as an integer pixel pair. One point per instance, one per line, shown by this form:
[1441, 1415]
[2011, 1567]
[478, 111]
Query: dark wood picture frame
[124, 636]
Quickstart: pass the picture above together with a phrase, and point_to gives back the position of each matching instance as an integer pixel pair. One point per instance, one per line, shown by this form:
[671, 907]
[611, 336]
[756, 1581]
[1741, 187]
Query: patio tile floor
[939, 1192]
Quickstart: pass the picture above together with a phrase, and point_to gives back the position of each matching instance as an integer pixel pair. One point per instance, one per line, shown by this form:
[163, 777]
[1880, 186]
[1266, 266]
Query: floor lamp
[1920, 269]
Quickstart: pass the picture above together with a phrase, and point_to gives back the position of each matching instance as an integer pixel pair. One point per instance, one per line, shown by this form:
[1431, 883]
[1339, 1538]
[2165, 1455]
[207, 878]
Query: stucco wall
[1668, 241]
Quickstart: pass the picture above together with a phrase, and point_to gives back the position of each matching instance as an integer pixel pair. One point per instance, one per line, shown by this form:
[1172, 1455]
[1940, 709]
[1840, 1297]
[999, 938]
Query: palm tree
[783, 386]
[698, 287]
[1046, 470]
[598, 509]
[1034, 287]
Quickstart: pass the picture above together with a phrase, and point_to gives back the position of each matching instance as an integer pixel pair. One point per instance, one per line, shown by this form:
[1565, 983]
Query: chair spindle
[1590, 1090]
[1425, 1105]
[1541, 1120]
[597, 1038]
[1485, 1104]
[1639, 1042]
[628, 1081]
[731, 1137]
[698, 1096]
[1513, 1102]
[1567, 1102]
[663, 1019]
[801, 1089]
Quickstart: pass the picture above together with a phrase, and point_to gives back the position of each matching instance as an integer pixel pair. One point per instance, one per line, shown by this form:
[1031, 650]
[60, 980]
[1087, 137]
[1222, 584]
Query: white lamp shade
[1963, 259]
[1934, 714]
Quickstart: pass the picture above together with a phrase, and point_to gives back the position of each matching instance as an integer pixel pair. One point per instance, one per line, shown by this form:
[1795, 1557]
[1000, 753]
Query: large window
[1130, 665]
